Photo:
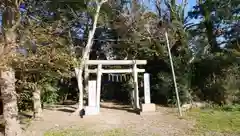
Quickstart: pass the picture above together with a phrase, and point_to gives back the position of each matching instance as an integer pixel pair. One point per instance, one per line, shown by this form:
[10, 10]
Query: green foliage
[216, 121]
[218, 79]
[25, 100]
[134, 32]
[46, 59]
[230, 108]
[49, 94]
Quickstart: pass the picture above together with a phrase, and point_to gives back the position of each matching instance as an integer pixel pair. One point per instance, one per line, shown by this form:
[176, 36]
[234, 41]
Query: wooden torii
[99, 71]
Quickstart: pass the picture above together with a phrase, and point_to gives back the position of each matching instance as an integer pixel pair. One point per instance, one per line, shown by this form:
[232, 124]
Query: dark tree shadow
[62, 108]
[69, 102]
[25, 119]
[56, 107]
[124, 108]
[1, 125]
[66, 110]
[23, 115]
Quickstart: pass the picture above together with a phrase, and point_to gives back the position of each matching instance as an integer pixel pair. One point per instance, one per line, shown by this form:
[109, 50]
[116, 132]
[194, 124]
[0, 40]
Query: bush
[25, 100]
[217, 78]
[49, 94]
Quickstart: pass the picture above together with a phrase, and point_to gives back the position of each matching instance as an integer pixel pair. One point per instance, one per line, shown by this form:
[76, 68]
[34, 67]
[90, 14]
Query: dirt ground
[162, 123]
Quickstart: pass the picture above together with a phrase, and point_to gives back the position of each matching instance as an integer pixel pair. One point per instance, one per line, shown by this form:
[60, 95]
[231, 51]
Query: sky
[191, 3]
[151, 6]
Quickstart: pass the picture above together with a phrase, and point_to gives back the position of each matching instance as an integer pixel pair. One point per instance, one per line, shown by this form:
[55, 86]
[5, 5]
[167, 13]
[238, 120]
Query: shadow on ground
[23, 115]
[106, 105]
[66, 110]
[63, 108]
[119, 106]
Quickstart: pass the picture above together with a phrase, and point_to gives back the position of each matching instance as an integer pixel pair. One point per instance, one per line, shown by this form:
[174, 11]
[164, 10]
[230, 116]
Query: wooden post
[135, 81]
[99, 78]
[174, 77]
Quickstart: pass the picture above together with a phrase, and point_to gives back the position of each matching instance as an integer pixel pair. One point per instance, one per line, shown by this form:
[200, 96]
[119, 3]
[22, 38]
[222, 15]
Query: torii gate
[95, 109]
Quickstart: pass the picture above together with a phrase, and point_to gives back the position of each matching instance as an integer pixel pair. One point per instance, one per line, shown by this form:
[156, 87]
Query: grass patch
[67, 132]
[217, 120]
[114, 132]
[84, 132]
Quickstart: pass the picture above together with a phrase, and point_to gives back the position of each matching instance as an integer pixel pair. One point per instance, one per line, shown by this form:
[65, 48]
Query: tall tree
[212, 36]
[86, 52]
[46, 51]
[216, 18]
[10, 22]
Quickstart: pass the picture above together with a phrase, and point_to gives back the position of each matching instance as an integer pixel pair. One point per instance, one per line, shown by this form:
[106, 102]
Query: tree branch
[16, 25]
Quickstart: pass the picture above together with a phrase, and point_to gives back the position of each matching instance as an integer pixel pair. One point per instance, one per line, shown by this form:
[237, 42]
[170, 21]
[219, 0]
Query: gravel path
[162, 123]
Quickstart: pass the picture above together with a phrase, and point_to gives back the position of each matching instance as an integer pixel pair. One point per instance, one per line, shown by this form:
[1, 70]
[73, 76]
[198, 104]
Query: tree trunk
[10, 22]
[85, 55]
[80, 87]
[173, 10]
[86, 78]
[10, 109]
[37, 107]
[211, 36]
[1, 104]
